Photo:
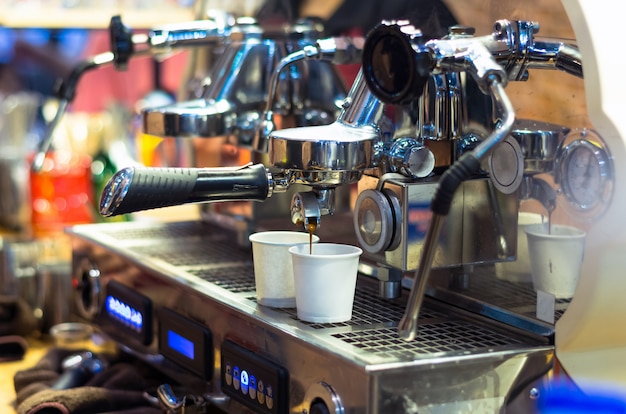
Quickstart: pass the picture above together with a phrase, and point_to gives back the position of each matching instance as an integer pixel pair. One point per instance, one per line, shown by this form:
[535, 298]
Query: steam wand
[66, 93]
[124, 43]
[465, 167]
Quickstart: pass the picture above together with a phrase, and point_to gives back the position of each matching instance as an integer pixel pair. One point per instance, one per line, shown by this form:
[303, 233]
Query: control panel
[253, 380]
[186, 342]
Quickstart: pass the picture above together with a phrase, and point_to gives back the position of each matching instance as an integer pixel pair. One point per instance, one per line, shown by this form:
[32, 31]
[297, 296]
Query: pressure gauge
[585, 174]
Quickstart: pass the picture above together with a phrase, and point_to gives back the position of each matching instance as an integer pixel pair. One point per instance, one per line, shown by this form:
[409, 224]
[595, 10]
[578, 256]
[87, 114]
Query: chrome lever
[171, 404]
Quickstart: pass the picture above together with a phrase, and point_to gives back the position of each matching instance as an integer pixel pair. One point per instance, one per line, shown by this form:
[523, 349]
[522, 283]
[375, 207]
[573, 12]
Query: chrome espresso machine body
[182, 295]
[287, 71]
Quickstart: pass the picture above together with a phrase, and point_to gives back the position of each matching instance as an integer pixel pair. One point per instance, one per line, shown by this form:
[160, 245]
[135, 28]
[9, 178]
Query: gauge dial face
[586, 174]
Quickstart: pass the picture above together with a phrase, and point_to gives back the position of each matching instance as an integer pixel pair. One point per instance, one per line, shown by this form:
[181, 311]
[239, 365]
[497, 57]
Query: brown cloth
[120, 388]
[86, 400]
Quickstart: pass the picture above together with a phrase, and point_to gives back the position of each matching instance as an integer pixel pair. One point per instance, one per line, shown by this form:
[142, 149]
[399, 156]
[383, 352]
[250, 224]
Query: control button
[269, 401]
[261, 394]
[236, 377]
[228, 374]
[244, 382]
[252, 386]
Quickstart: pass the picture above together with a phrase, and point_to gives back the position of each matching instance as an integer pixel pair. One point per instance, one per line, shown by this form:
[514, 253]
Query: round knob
[88, 286]
[319, 407]
[506, 166]
[411, 158]
[323, 399]
[375, 220]
[394, 71]
[121, 42]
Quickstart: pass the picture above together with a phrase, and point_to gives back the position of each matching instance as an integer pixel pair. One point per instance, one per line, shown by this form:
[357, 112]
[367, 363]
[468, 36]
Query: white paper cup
[325, 281]
[273, 269]
[556, 258]
[519, 270]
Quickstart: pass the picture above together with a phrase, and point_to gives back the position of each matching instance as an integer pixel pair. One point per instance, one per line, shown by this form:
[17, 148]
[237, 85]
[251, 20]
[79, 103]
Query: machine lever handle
[170, 403]
[141, 188]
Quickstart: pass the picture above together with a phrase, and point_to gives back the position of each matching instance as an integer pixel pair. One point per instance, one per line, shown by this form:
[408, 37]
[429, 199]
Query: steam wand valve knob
[122, 46]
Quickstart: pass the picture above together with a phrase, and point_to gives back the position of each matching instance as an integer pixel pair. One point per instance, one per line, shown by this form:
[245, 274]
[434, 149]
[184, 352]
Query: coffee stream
[311, 226]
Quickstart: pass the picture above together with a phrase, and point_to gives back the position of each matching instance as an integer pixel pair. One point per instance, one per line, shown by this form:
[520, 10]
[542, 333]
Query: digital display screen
[180, 344]
[124, 313]
[128, 312]
[186, 342]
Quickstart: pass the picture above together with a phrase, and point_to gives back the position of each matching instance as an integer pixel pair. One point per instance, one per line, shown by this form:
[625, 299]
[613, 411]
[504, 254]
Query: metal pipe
[339, 50]
[408, 326]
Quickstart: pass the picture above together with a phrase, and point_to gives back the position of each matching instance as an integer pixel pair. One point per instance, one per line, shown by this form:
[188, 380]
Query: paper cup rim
[533, 230]
[354, 251]
[258, 238]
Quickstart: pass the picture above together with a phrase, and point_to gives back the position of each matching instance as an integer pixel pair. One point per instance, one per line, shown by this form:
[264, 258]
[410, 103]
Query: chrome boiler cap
[198, 117]
[324, 149]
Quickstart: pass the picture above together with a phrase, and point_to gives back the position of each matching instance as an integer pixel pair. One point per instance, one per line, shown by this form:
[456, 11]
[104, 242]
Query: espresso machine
[429, 137]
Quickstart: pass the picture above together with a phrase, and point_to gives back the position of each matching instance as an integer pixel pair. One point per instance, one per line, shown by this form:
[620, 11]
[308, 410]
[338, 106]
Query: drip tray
[214, 264]
[460, 361]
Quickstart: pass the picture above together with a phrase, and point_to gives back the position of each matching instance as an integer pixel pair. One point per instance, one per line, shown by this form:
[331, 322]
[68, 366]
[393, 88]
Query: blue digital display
[124, 313]
[180, 344]
[127, 313]
[186, 342]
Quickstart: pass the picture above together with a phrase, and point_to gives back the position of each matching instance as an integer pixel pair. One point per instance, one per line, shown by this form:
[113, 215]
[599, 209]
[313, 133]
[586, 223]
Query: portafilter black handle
[395, 67]
[135, 189]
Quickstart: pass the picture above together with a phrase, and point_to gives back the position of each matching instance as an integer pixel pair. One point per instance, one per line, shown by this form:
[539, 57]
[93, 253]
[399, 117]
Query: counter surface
[36, 350]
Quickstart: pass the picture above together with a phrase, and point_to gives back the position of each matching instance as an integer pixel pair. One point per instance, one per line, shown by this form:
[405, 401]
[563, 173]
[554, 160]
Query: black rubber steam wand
[464, 168]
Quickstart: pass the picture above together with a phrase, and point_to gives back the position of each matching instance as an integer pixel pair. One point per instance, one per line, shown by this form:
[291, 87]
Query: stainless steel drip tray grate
[372, 330]
[191, 255]
[237, 278]
[488, 291]
[134, 231]
[369, 309]
[216, 262]
[437, 338]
